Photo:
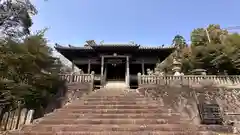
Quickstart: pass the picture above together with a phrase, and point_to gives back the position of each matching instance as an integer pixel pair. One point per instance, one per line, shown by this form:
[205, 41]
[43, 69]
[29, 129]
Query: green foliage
[180, 44]
[29, 72]
[218, 54]
[179, 41]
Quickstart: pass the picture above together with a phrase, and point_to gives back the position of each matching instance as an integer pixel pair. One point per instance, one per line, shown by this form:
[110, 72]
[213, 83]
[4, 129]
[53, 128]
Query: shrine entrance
[115, 69]
[98, 58]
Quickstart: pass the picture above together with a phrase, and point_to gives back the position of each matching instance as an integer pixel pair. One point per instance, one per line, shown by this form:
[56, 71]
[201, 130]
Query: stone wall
[175, 98]
[184, 99]
[67, 94]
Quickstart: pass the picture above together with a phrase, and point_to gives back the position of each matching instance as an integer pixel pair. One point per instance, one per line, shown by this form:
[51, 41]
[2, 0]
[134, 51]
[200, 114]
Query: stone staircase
[113, 112]
[115, 85]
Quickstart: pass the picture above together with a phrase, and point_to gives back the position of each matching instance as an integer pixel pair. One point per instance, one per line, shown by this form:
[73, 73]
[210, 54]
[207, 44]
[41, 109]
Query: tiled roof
[154, 47]
[116, 45]
[72, 47]
[88, 47]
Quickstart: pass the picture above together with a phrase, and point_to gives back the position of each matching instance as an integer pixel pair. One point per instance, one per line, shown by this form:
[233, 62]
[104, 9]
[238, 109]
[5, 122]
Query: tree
[229, 56]
[180, 44]
[29, 72]
[179, 40]
[199, 36]
[218, 55]
[212, 49]
[15, 17]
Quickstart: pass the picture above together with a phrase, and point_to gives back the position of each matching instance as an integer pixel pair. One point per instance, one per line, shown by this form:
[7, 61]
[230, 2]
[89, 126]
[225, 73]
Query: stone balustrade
[77, 78]
[217, 80]
[79, 81]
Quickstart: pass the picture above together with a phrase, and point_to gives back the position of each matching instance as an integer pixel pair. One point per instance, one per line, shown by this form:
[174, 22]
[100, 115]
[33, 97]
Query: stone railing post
[139, 76]
[92, 81]
[29, 117]
[72, 77]
[182, 79]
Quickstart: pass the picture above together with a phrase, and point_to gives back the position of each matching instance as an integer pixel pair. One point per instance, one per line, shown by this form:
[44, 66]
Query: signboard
[114, 61]
[210, 114]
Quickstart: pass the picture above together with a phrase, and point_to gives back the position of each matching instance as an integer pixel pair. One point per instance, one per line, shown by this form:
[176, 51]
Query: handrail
[189, 79]
[71, 78]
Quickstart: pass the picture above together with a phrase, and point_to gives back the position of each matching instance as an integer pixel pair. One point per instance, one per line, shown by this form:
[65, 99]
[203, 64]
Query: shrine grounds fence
[14, 118]
[186, 80]
[79, 78]
[189, 80]
[71, 78]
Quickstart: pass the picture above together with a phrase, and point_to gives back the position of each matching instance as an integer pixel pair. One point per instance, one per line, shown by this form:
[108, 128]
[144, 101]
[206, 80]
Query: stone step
[216, 128]
[109, 111]
[114, 94]
[116, 115]
[110, 127]
[110, 107]
[107, 95]
[114, 98]
[113, 103]
[112, 121]
[116, 133]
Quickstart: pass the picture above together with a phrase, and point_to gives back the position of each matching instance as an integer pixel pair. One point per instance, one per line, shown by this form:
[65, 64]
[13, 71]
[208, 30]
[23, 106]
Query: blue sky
[147, 22]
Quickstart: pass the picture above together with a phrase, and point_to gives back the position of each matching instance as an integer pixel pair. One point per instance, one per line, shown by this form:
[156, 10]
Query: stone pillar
[92, 81]
[143, 71]
[102, 67]
[127, 70]
[73, 66]
[89, 66]
[139, 79]
[29, 117]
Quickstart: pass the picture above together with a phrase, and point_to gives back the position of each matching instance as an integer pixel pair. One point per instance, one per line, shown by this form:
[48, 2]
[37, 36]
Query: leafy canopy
[29, 72]
[219, 54]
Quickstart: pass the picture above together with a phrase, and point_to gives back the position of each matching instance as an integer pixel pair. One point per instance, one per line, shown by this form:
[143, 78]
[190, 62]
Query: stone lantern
[176, 67]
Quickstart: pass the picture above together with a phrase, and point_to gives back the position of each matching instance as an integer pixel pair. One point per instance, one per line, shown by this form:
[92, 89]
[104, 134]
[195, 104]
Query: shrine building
[114, 62]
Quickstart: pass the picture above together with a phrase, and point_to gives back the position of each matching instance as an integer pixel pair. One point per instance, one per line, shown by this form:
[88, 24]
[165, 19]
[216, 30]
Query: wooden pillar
[143, 70]
[102, 67]
[89, 66]
[127, 66]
